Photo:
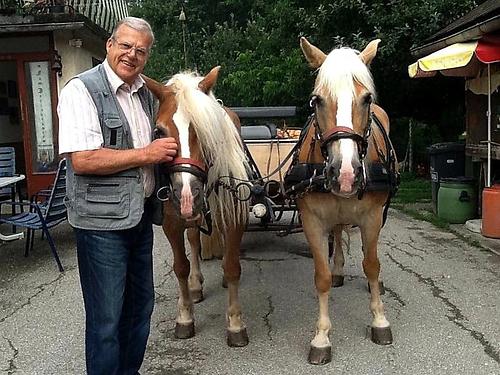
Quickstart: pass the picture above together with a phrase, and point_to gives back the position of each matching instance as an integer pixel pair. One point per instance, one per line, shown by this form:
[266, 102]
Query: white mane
[219, 142]
[339, 71]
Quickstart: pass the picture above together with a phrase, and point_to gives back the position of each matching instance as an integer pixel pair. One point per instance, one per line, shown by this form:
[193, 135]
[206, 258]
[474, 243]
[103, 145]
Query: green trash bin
[457, 200]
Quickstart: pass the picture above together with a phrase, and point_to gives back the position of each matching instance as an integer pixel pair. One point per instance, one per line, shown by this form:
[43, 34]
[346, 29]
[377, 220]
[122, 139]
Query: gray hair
[135, 23]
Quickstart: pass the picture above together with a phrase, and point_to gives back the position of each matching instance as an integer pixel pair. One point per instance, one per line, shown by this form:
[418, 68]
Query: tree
[257, 45]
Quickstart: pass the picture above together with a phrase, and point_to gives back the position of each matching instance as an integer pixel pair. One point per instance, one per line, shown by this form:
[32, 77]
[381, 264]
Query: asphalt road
[442, 299]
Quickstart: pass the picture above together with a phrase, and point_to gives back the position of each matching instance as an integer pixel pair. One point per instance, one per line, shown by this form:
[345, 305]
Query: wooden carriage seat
[267, 131]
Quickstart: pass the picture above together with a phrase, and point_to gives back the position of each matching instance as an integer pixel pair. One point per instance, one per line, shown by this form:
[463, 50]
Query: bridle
[189, 165]
[195, 167]
[341, 132]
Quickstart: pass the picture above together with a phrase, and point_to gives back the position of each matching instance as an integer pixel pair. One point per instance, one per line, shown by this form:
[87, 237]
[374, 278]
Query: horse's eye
[316, 100]
[367, 99]
[158, 133]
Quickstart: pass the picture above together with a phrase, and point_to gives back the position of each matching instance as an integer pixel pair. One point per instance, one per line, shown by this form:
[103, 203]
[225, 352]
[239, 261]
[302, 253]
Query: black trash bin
[446, 160]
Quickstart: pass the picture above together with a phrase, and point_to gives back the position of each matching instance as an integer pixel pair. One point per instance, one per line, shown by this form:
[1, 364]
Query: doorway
[27, 118]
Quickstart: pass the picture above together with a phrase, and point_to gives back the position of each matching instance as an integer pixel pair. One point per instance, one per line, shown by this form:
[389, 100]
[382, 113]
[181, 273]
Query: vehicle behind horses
[343, 153]
[210, 153]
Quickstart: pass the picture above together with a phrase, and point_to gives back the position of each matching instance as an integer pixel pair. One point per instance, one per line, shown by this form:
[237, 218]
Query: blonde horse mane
[220, 145]
[338, 72]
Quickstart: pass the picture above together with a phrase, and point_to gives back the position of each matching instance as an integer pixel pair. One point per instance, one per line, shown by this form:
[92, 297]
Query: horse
[210, 156]
[347, 139]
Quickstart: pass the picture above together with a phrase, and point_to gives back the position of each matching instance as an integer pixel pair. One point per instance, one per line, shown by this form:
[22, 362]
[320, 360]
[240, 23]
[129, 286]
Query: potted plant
[8, 7]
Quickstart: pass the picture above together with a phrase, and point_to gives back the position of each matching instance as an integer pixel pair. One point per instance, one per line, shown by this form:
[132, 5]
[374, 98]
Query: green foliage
[257, 45]
[413, 189]
[414, 198]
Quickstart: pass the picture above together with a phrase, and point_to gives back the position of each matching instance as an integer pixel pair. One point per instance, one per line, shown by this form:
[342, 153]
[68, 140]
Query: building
[469, 47]
[43, 43]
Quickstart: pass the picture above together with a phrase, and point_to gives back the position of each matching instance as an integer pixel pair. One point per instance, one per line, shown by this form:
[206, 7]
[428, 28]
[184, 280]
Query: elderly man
[105, 132]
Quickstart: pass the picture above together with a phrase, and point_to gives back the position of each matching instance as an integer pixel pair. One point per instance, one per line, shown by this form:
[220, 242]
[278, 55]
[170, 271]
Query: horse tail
[212, 246]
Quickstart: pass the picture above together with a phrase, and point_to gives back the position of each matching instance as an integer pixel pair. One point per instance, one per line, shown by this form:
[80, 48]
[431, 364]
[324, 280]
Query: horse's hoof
[320, 356]
[224, 283]
[184, 331]
[197, 295]
[381, 288]
[237, 339]
[382, 336]
[337, 280]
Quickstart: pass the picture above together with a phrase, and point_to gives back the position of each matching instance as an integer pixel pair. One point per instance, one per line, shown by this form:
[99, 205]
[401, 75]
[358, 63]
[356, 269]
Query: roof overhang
[471, 33]
[65, 23]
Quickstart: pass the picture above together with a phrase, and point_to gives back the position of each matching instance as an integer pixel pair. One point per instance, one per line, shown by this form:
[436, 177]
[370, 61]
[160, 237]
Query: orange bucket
[491, 212]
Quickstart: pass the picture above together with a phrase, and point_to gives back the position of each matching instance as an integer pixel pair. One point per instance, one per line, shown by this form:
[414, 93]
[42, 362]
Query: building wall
[76, 59]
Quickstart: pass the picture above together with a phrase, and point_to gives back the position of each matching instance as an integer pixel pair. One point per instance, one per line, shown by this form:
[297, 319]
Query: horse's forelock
[341, 68]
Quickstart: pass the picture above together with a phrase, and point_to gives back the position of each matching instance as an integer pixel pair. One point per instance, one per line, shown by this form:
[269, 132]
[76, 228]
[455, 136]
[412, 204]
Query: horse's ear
[156, 87]
[369, 52]
[313, 54]
[207, 83]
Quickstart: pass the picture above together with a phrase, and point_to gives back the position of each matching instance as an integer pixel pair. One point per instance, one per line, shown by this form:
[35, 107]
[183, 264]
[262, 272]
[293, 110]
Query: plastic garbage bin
[446, 160]
[491, 211]
[457, 199]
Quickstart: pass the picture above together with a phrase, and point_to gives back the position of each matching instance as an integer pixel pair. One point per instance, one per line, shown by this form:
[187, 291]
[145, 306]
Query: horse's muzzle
[344, 183]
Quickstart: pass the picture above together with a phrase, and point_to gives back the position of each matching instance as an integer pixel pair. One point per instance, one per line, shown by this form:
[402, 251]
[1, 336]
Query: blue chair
[7, 169]
[43, 215]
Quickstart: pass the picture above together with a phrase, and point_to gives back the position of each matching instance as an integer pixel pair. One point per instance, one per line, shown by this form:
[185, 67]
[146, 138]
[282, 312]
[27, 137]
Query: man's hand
[161, 150]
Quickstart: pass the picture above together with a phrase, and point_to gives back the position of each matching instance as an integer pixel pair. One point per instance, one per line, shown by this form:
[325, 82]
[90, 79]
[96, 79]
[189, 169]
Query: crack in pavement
[411, 255]
[28, 302]
[252, 259]
[456, 316]
[12, 367]
[267, 315]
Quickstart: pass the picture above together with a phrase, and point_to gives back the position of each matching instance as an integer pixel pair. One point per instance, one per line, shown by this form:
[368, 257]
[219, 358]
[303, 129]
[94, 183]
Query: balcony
[102, 13]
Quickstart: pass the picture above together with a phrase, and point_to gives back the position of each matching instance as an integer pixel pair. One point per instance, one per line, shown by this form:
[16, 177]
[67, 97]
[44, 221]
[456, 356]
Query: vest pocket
[107, 200]
[113, 132]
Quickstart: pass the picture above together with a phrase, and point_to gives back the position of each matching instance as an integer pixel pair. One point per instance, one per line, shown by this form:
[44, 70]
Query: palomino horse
[210, 150]
[348, 136]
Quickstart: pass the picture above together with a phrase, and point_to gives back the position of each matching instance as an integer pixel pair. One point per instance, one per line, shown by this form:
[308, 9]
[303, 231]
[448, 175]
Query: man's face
[128, 52]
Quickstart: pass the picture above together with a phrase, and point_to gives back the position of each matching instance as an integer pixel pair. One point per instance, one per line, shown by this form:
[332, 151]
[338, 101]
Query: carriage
[269, 143]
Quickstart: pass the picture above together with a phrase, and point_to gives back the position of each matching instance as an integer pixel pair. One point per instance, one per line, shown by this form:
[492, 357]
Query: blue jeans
[116, 275]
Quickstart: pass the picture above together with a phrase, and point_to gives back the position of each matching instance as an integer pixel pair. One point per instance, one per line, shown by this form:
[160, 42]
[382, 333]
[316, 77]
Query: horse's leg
[380, 327]
[195, 281]
[317, 237]
[174, 230]
[338, 258]
[236, 329]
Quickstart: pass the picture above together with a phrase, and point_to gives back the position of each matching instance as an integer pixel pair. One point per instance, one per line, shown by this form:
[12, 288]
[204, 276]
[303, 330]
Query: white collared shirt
[79, 127]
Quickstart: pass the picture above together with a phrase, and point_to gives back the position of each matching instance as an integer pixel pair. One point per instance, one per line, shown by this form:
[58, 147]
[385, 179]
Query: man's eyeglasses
[126, 47]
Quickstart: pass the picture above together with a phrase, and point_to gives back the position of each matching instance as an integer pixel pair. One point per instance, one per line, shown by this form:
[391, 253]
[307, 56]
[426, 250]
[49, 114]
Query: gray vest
[116, 201]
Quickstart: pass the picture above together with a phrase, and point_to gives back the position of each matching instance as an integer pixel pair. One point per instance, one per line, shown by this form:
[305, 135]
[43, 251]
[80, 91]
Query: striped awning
[459, 59]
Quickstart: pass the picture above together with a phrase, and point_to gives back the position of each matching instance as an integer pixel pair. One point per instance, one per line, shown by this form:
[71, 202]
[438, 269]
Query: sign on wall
[44, 142]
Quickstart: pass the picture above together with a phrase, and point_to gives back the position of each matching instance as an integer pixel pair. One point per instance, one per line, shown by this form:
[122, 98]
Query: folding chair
[43, 215]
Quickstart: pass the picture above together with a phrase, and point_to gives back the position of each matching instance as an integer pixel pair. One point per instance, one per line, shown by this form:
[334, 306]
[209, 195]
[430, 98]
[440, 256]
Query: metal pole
[488, 182]
[182, 18]
[410, 144]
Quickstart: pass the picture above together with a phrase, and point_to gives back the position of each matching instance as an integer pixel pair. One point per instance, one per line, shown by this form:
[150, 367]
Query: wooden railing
[104, 13]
